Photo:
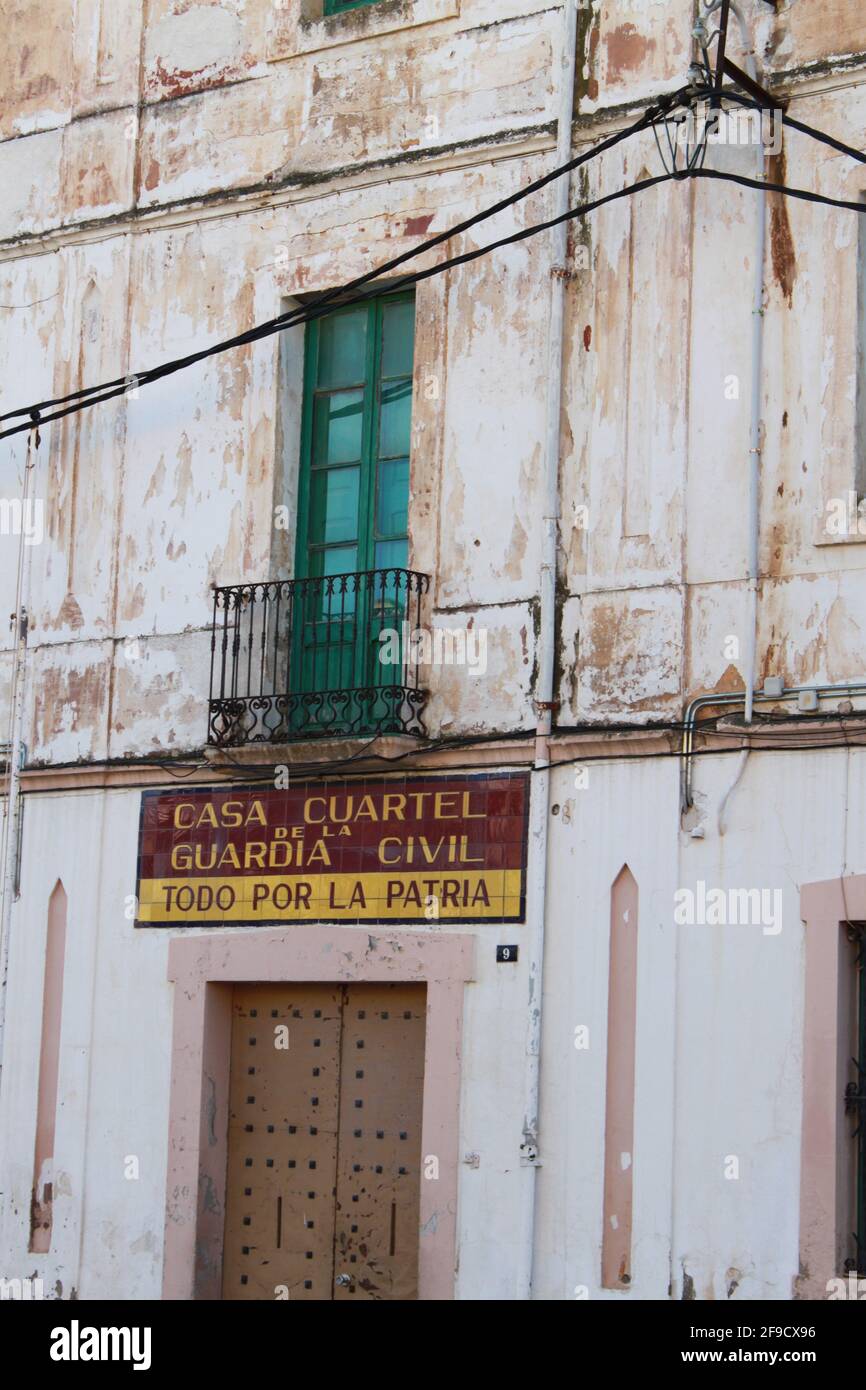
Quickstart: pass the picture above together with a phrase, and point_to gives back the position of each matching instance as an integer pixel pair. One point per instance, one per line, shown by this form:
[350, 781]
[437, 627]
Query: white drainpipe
[755, 397]
[12, 810]
[755, 425]
[540, 804]
[755, 403]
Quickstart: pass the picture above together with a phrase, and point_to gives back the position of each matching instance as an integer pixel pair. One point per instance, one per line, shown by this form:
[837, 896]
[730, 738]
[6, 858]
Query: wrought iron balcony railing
[307, 658]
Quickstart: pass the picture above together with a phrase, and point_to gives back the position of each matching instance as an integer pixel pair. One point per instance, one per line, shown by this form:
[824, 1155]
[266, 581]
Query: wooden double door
[324, 1144]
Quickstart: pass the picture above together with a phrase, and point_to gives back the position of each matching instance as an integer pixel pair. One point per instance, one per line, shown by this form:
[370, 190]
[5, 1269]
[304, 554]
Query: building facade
[433, 856]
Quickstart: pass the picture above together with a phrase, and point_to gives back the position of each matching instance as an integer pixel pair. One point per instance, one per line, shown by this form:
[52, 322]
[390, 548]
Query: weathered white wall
[719, 1048]
[114, 1057]
[167, 192]
[151, 500]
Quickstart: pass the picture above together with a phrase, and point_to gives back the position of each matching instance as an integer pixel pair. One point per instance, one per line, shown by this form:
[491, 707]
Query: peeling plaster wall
[150, 500]
[174, 182]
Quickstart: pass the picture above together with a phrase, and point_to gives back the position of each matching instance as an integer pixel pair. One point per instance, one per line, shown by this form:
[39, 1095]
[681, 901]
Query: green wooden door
[354, 494]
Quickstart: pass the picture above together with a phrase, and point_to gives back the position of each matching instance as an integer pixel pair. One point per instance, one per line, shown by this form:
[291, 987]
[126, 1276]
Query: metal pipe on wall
[12, 811]
[755, 395]
[540, 813]
[755, 419]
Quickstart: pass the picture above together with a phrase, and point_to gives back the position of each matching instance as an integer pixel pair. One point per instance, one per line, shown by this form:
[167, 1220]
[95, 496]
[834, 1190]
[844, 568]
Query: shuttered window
[354, 493]
[353, 499]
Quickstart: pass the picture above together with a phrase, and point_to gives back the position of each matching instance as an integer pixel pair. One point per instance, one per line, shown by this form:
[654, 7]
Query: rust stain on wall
[166, 83]
[513, 567]
[627, 50]
[809, 32]
[729, 682]
[417, 226]
[782, 251]
[69, 613]
[68, 701]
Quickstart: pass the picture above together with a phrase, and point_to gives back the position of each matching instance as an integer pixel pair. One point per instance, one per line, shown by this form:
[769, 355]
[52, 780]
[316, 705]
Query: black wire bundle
[43, 412]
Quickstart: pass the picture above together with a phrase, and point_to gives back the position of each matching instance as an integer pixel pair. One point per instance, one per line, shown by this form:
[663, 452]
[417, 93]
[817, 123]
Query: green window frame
[353, 494]
[340, 6]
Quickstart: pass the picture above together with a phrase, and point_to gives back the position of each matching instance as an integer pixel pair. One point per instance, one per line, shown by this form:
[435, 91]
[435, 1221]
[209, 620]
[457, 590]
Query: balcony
[298, 659]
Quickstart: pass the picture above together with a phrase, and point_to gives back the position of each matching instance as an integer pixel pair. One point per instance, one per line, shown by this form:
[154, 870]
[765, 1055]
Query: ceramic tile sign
[412, 849]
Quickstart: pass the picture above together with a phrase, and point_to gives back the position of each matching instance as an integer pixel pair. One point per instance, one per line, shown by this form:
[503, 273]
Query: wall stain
[782, 253]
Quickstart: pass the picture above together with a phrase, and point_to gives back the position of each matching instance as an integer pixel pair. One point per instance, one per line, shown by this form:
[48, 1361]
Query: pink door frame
[826, 1158]
[203, 969]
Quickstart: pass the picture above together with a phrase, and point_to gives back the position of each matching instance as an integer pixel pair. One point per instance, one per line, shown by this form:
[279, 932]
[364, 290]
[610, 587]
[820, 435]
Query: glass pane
[337, 423]
[388, 606]
[342, 559]
[396, 419]
[391, 553]
[342, 349]
[398, 338]
[334, 504]
[392, 500]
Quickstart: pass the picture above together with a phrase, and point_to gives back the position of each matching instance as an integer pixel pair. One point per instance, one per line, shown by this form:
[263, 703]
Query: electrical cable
[820, 135]
[345, 295]
[823, 137]
[763, 723]
[330, 297]
[318, 310]
[322, 773]
[805, 194]
[786, 736]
